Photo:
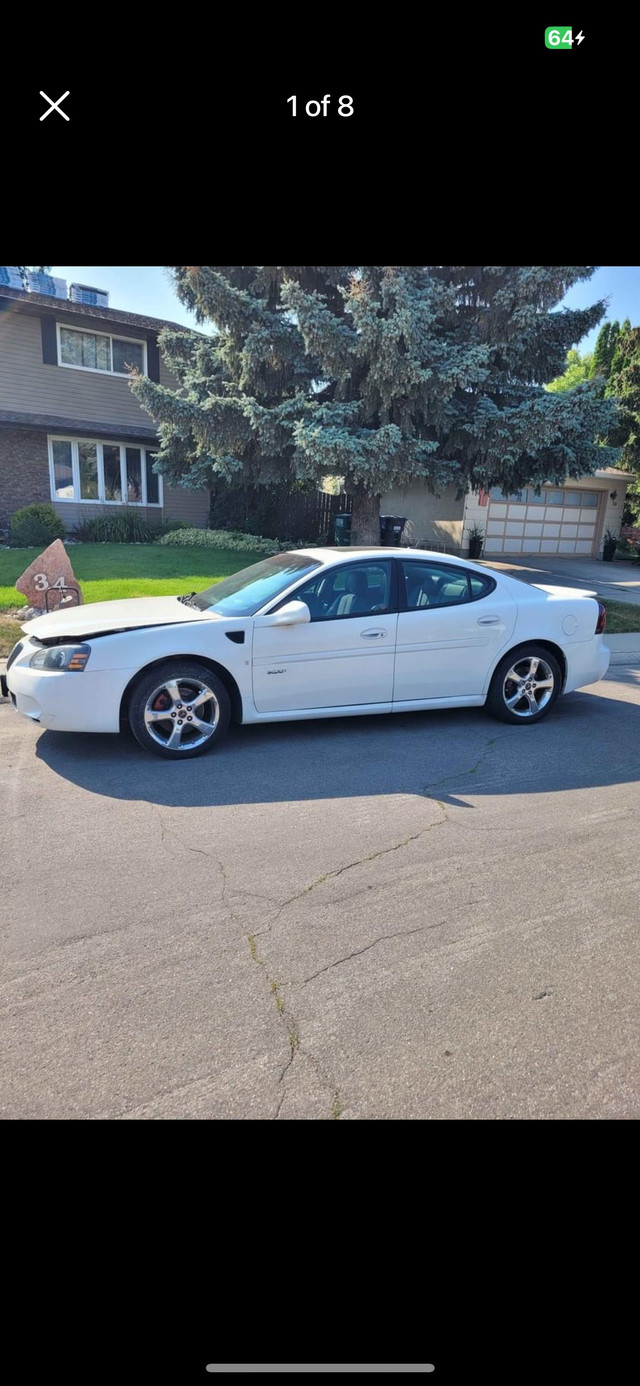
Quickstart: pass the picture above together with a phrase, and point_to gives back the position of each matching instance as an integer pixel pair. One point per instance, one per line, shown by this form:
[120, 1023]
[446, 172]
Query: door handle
[488, 620]
[372, 634]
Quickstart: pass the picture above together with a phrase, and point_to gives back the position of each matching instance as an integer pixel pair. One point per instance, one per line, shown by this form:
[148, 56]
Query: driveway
[426, 916]
[617, 580]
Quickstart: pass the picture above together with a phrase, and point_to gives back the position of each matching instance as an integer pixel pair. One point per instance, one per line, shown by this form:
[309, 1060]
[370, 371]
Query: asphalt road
[427, 916]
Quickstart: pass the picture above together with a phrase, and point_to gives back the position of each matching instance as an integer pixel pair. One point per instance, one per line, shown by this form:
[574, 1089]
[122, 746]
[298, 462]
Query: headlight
[71, 658]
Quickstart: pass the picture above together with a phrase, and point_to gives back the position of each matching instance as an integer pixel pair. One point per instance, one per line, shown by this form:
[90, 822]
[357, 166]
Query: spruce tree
[384, 375]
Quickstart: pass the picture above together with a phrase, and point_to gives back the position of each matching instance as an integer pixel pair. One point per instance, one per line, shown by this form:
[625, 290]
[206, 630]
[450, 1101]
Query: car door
[342, 657]
[452, 624]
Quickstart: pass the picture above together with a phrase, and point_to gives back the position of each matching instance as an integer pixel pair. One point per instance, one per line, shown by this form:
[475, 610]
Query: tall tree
[623, 385]
[616, 360]
[577, 369]
[605, 347]
[380, 374]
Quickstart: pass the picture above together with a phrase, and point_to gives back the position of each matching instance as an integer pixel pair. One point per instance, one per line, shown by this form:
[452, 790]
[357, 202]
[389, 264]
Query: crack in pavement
[284, 1012]
[293, 1037]
[401, 933]
[395, 846]
[349, 866]
[463, 774]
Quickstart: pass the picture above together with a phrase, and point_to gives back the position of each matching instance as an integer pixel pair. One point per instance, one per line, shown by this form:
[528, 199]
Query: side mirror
[293, 614]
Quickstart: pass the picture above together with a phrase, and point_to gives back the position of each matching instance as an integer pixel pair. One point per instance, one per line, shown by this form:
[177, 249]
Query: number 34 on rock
[51, 569]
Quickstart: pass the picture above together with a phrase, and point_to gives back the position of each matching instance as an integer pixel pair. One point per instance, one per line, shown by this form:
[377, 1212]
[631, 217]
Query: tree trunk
[365, 517]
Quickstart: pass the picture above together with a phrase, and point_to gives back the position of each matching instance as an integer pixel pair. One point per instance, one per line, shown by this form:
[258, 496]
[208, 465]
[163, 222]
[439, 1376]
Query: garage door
[554, 522]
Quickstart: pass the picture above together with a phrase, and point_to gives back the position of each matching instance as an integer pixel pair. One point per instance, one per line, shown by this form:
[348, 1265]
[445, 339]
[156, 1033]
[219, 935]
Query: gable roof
[47, 304]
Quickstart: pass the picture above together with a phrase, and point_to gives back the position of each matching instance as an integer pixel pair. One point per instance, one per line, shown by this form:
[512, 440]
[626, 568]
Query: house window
[112, 473]
[153, 480]
[62, 469]
[82, 469]
[587, 499]
[134, 476]
[96, 351]
[497, 494]
[88, 470]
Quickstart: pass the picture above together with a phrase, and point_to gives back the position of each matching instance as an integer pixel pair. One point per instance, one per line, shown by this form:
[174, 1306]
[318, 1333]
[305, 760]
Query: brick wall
[24, 469]
[631, 532]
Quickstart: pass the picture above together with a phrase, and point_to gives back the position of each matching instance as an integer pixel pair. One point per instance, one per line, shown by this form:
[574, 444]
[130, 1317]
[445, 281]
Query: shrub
[234, 540]
[123, 527]
[171, 526]
[35, 524]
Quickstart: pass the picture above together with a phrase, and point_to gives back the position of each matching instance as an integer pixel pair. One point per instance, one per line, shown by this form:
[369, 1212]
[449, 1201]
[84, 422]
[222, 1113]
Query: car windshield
[245, 592]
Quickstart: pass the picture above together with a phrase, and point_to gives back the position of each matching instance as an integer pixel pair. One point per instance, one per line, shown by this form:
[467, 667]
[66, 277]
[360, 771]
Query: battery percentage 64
[561, 37]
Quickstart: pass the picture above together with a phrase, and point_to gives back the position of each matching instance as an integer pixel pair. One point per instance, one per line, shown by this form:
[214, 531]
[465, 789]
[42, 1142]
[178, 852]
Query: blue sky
[134, 289]
[620, 284]
[144, 289]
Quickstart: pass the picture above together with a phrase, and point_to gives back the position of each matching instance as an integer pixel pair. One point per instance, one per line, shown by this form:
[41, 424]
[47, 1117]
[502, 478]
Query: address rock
[48, 573]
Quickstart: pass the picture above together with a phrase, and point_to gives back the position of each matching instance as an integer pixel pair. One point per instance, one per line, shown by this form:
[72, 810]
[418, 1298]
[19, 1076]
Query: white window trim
[99, 444]
[110, 336]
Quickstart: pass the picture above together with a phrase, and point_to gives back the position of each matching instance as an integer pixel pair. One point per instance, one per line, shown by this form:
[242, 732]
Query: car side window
[353, 589]
[427, 585]
[480, 586]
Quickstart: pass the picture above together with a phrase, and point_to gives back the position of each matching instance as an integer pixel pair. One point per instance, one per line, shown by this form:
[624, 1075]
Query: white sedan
[312, 633]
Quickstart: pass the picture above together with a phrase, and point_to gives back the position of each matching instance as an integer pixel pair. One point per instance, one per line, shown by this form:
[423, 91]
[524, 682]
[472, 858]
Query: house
[71, 431]
[563, 520]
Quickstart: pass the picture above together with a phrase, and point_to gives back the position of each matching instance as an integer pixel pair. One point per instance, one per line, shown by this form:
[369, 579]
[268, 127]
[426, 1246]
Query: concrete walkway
[619, 581]
[625, 649]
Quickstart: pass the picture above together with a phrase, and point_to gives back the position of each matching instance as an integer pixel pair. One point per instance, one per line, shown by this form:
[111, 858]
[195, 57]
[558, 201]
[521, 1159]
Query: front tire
[524, 686]
[179, 710]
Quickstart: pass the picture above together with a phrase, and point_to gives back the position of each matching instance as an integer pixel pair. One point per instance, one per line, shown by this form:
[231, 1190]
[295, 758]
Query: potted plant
[476, 540]
[609, 546]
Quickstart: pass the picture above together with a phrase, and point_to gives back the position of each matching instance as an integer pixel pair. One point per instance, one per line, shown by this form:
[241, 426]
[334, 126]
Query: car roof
[340, 554]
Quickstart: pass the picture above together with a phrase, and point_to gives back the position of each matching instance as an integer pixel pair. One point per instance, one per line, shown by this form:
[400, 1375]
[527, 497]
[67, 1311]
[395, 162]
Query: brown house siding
[28, 385]
[74, 513]
[38, 398]
[180, 504]
[24, 470]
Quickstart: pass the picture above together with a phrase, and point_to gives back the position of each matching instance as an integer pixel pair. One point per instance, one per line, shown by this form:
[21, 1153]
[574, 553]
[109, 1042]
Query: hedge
[36, 524]
[222, 539]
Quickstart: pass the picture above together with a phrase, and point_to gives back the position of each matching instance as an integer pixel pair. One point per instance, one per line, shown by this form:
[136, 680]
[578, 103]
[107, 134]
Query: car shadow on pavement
[588, 740]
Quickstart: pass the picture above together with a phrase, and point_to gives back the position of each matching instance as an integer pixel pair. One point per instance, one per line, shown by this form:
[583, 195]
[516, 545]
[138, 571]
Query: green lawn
[109, 571]
[622, 617]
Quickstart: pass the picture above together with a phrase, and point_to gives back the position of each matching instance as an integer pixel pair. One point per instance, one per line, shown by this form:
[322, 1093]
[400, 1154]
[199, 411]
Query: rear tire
[525, 686]
[179, 710]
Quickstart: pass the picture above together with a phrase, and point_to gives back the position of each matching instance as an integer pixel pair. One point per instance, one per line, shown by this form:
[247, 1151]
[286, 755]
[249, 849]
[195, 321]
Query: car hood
[101, 617]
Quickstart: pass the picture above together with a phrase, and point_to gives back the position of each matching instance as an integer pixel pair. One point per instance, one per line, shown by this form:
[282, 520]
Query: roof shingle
[84, 310]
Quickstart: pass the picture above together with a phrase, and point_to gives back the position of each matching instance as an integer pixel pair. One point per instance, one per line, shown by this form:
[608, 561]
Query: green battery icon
[560, 37]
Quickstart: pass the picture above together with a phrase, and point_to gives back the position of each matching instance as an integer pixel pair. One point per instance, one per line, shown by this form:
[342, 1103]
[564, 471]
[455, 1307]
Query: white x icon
[54, 106]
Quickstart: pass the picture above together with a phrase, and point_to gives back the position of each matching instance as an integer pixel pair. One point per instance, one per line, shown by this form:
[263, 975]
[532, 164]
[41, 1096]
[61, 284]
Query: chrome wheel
[528, 686]
[181, 713]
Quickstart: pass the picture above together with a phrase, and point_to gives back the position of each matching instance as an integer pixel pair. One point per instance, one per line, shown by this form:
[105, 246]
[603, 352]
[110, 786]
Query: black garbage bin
[391, 527]
[342, 529]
